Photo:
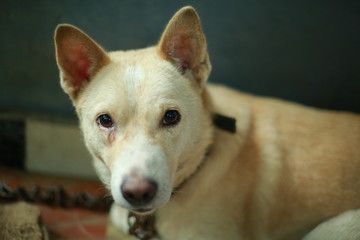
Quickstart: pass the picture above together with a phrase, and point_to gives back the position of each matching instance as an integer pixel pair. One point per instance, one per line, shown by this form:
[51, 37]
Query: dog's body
[146, 116]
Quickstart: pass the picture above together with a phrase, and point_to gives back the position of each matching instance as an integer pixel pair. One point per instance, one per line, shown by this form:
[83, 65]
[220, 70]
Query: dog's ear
[78, 57]
[183, 43]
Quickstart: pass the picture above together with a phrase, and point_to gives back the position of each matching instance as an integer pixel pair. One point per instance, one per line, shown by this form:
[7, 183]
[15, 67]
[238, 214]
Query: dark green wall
[304, 51]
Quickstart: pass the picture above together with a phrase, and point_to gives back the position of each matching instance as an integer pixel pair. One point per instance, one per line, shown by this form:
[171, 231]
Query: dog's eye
[171, 117]
[105, 121]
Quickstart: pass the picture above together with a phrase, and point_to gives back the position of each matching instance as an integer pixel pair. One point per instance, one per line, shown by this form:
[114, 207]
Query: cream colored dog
[147, 118]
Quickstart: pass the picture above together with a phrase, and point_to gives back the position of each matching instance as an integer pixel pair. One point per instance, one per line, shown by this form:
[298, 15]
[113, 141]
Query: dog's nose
[138, 191]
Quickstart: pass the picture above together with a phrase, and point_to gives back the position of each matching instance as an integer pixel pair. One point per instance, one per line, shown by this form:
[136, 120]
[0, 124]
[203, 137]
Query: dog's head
[144, 113]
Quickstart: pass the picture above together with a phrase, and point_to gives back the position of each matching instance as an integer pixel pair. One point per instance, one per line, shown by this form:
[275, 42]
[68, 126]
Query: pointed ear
[183, 44]
[78, 57]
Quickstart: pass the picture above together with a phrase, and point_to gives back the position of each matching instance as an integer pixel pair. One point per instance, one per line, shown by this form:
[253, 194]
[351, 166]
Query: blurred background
[303, 51]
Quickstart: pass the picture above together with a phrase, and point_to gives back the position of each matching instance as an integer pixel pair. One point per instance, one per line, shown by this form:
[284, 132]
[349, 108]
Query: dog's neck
[183, 183]
[222, 122]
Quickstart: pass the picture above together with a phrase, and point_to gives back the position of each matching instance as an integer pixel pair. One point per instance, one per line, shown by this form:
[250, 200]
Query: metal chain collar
[142, 227]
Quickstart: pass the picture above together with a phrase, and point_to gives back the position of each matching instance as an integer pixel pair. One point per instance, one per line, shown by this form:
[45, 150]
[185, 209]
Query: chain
[142, 227]
[54, 196]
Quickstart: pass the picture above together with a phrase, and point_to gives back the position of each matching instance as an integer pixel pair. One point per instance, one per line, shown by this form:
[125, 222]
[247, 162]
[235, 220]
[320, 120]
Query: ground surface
[74, 223]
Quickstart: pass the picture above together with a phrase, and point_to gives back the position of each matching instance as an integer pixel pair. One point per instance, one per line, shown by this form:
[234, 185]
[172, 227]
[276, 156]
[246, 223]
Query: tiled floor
[62, 223]
[74, 224]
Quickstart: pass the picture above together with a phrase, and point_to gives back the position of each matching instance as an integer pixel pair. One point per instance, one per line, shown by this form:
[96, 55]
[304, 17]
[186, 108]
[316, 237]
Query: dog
[184, 159]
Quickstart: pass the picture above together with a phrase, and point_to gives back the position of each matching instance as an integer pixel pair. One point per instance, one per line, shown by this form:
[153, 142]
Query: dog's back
[305, 162]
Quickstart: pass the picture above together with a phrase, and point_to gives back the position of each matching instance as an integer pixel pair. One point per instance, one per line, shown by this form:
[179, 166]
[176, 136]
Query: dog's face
[144, 114]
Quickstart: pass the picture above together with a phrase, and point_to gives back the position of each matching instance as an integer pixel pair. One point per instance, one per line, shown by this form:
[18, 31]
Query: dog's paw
[345, 226]
[119, 218]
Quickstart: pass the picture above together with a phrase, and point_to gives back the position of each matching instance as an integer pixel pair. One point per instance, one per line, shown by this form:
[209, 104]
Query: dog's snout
[138, 191]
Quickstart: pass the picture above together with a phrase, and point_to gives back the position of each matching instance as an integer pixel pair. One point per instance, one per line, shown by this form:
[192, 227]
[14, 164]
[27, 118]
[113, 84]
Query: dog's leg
[345, 226]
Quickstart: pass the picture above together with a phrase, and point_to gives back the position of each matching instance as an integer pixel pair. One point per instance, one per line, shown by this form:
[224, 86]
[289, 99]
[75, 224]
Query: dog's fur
[287, 169]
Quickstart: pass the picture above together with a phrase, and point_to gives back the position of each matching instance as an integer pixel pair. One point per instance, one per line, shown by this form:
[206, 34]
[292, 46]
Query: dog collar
[224, 122]
[142, 226]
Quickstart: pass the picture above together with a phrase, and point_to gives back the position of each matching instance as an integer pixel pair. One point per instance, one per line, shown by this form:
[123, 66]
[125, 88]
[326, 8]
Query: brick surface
[70, 223]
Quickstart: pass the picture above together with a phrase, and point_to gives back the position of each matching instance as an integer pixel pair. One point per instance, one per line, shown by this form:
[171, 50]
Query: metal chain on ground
[54, 196]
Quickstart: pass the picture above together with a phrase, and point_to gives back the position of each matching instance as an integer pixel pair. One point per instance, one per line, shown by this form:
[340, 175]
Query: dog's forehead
[137, 79]
[150, 81]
